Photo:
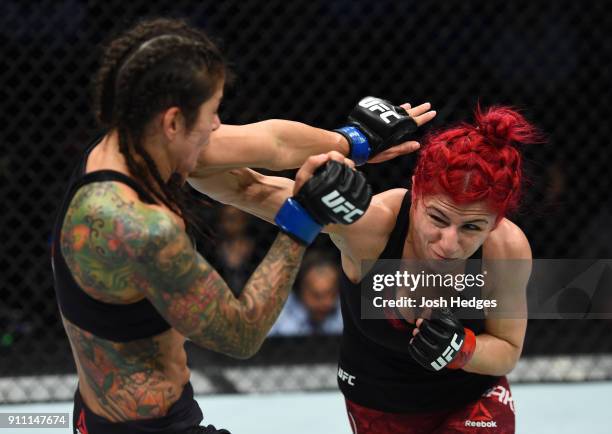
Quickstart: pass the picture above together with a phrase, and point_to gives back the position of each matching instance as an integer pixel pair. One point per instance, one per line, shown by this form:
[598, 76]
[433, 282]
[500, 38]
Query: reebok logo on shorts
[481, 423]
[480, 417]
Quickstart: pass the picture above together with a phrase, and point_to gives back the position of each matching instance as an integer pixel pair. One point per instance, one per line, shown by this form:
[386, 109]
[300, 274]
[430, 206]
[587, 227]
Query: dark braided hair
[156, 65]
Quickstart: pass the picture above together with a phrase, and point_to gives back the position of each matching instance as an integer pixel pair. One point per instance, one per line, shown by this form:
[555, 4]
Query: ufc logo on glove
[338, 204]
[448, 354]
[375, 104]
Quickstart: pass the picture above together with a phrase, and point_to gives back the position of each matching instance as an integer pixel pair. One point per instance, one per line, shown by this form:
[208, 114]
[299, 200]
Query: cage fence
[310, 61]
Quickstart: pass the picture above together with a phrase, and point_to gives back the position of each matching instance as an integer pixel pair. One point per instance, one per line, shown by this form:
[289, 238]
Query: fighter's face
[444, 231]
[193, 141]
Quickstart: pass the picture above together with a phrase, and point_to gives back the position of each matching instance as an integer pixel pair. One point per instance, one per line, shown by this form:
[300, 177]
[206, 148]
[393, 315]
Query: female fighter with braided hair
[130, 284]
[397, 376]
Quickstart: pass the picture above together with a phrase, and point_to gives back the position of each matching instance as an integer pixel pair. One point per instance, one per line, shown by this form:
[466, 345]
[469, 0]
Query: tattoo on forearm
[207, 310]
[260, 302]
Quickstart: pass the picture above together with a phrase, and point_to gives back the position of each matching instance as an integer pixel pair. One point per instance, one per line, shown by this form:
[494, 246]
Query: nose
[216, 123]
[449, 243]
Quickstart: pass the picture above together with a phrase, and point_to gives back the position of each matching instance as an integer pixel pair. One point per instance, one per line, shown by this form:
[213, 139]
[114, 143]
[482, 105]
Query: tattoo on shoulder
[112, 244]
[102, 235]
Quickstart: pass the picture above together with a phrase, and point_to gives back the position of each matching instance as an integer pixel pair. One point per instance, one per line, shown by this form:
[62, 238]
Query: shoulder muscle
[103, 234]
[507, 241]
[507, 258]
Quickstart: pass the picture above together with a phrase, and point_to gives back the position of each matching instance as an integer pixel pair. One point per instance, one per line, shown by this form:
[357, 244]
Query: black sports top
[114, 322]
[375, 368]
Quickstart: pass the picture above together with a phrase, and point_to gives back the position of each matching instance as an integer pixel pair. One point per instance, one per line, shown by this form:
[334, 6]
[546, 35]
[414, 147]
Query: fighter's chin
[440, 263]
[187, 169]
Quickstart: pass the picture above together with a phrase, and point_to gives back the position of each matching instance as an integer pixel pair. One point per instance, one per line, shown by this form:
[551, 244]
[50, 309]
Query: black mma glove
[334, 194]
[374, 126]
[442, 342]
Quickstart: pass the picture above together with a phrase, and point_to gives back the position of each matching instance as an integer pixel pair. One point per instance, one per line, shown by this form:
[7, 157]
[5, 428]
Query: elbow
[509, 362]
[505, 370]
[241, 348]
[246, 351]
[242, 352]
[513, 359]
[240, 356]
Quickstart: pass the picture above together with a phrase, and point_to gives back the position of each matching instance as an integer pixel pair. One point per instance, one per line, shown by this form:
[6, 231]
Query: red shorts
[492, 413]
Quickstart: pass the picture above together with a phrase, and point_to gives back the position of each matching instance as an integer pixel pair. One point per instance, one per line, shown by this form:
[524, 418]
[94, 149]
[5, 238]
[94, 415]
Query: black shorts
[183, 417]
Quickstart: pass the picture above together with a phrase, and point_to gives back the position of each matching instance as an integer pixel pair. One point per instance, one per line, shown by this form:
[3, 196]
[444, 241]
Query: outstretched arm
[274, 144]
[262, 195]
[280, 144]
[252, 192]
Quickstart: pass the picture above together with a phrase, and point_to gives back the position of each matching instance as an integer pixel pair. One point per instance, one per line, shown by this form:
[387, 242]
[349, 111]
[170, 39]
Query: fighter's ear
[172, 122]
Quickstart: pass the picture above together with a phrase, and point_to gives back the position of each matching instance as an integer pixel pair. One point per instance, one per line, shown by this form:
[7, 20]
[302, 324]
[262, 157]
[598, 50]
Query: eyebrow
[467, 222]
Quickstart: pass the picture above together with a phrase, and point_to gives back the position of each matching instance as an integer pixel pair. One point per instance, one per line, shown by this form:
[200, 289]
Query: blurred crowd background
[311, 61]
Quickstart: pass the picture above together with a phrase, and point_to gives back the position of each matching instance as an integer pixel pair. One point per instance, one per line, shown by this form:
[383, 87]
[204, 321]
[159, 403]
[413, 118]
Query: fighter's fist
[375, 125]
[335, 193]
[442, 342]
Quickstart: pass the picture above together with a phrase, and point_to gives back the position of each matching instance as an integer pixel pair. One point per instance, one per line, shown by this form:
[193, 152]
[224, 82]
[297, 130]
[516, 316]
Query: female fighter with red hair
[467, 179]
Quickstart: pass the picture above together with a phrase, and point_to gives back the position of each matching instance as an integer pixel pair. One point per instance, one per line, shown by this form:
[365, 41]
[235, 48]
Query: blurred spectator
[314, 307]
[235, 250]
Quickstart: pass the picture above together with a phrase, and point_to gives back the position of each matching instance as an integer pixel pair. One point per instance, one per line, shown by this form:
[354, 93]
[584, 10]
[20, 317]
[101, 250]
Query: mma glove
[375, 125]
[442, 342]
[334, 194]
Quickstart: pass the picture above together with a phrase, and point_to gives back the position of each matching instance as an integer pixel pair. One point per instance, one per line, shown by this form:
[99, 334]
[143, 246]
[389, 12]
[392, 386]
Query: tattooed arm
[193, 297]
[119, 248]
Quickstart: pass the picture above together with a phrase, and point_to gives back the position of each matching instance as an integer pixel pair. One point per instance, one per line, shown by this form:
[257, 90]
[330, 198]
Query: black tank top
[375, 368]
[114, 322]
